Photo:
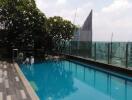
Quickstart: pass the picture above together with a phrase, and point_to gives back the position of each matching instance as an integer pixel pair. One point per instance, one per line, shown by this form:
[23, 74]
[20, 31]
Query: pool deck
[11, 86]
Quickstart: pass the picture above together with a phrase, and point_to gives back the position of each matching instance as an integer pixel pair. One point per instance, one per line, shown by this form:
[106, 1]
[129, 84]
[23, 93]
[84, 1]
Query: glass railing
[115, 53]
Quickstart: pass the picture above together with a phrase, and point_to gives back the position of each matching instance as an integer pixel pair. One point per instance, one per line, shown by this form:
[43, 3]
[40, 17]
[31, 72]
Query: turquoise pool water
[65, 80]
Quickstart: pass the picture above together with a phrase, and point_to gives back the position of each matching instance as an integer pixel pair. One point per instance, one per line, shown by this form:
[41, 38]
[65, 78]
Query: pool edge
[118, 69]
[26, 83]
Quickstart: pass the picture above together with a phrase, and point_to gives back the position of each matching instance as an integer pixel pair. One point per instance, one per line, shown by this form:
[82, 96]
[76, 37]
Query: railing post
[95, 51]
[76, 49]
[108, 53]
[127, 55]
[110, 58]
[70, 48]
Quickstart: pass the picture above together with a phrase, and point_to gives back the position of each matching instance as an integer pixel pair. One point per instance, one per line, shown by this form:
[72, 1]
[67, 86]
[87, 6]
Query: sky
[109, 16]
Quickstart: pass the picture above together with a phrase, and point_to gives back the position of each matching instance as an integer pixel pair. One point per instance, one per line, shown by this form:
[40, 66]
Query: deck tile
[1, 96]
[23, 94]
[9, 97]
[5, 66]
[5, 73]
[11, 87]
[1, 80]
[6, 83]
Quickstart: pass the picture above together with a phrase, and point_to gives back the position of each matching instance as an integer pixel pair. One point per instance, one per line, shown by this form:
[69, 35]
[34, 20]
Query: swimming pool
[67, 80]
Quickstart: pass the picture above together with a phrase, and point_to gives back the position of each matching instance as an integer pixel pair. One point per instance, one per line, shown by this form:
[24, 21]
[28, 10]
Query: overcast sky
[108, 16]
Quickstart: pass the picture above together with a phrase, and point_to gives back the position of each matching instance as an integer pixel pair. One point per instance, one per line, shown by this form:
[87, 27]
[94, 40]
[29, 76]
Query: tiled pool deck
[11, 86]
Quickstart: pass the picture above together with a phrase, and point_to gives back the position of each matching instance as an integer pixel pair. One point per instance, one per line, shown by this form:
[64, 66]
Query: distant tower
[86, 30]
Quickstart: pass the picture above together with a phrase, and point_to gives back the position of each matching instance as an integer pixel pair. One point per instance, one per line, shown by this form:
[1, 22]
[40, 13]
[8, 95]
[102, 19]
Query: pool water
[66, 80]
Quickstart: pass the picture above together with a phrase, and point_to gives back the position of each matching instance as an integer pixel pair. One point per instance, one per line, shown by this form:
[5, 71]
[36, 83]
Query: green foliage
[24, 22]
[60, 29]
[22, 25]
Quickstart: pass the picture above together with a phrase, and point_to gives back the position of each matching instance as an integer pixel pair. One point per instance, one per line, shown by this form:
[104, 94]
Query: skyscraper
[82, 39]
[86, 30]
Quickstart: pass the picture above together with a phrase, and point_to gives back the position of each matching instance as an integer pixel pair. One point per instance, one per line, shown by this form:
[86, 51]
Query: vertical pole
[111, 49]
[69, 48]
[127, 55]
[77, 48]
[108, 53]
[95, 51]
[64, 47]
[60, 47]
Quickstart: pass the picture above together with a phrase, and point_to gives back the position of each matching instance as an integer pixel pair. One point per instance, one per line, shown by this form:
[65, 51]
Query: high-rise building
[85, 32]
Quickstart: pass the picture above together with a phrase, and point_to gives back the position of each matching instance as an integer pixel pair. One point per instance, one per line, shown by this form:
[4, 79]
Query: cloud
[117, 5]
[66, 9]
[59, 2]
[114, 18]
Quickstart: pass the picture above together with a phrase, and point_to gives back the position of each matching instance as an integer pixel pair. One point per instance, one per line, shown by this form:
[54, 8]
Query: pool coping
[118, 69]
[26, 83]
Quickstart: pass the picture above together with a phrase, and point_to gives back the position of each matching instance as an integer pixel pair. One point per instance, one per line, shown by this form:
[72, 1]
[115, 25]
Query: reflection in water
[64, 80]
[113, 87]
[53, 80]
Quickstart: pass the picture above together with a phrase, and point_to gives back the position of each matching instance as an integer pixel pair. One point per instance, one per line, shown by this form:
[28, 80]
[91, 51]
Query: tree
[24, 22]
[24, 26]
[60, 29]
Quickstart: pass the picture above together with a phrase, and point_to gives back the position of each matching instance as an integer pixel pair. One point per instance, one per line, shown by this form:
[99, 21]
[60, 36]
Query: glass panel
[130, 55]
[102, 52]
[118, 56]
[84, 49]
[62, 47]
[68, 47]
[93, 51]
[73, 48]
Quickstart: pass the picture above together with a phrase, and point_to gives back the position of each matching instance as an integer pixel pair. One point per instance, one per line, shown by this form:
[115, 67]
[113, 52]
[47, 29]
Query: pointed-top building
[88, 22]
[86, 30]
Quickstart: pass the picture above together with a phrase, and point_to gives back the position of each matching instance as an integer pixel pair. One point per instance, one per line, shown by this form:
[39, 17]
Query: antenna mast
[111, 37]
[75, 16]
